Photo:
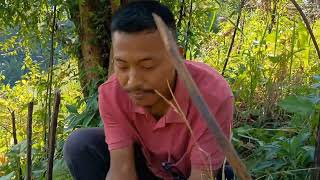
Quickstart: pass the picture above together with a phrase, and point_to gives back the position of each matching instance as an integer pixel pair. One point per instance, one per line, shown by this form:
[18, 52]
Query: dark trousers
[87, 157]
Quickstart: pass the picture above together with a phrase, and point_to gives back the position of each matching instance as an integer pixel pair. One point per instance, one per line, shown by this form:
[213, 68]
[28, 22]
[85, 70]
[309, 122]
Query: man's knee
[78, 142]
[73, 144]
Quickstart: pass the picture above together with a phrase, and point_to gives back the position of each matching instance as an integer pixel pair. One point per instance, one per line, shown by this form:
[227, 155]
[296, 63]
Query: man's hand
[197, 174]
[122, 164]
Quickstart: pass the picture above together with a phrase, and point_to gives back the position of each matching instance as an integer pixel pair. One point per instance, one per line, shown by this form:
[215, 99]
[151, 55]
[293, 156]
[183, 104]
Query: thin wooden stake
[198, 100]
[15, 141]
[29, 141]
[14, 129]
[52, 135]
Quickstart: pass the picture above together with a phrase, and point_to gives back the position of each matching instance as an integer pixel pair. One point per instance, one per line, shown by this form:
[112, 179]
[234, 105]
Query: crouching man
[144, 137]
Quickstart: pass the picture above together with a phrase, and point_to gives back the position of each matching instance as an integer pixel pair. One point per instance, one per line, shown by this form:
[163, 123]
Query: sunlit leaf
[297, 104]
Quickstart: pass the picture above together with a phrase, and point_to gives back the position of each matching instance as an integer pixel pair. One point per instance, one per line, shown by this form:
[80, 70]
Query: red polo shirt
[169, 139]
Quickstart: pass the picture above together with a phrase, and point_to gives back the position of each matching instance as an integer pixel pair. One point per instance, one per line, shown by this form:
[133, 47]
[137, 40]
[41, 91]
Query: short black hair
[137, 17]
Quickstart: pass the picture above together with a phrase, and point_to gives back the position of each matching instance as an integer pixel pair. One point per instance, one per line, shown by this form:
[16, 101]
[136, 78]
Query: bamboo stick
[198, 100]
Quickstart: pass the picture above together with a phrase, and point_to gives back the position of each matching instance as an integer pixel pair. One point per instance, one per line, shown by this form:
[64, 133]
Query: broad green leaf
[8, 176]
[297, 104]
[72, 109]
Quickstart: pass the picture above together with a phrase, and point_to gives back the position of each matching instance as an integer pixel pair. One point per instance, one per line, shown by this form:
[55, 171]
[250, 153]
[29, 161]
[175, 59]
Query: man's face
[141, 65]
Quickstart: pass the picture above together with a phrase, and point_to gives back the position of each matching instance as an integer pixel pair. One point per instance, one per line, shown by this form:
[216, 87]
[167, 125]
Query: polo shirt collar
[171, 116]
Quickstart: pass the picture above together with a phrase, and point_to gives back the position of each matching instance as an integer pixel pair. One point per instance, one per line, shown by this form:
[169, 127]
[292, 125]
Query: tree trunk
[91, 51]
[92, 19]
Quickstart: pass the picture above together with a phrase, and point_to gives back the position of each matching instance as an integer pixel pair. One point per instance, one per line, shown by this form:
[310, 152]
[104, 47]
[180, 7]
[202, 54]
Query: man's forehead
[121, 34]
[143, 42]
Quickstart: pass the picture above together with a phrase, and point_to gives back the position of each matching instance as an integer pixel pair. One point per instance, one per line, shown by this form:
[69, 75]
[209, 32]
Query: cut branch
[306, 22]
[198, 100]
[52, 135]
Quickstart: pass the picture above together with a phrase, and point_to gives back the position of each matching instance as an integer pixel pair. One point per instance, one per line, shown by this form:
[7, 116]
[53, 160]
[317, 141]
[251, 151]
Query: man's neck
[161, 107]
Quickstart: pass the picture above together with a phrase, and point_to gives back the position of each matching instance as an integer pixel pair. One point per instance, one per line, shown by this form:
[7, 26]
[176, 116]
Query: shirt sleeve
[115, 134]
[207, 155]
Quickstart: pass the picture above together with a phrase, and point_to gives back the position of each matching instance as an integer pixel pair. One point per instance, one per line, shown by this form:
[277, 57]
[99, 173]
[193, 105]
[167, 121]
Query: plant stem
[29, 142]
[276, 37]
[233, 37]
[292, 48]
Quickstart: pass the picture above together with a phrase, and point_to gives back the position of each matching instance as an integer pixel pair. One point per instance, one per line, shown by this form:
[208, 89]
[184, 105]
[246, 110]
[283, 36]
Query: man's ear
[181, 51]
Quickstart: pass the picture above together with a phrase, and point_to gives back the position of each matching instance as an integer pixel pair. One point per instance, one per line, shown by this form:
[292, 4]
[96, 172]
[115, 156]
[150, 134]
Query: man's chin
[145, 102]
[142, 103]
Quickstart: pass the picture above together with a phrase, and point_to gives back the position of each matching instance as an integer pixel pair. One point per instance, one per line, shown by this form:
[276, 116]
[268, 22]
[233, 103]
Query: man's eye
[148, 67]
[122, 67]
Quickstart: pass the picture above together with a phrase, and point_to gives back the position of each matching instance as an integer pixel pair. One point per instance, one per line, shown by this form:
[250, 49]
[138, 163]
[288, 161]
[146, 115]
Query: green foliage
[286, 151]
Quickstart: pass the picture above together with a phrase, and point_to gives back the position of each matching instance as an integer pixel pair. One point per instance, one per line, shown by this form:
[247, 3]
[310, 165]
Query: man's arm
[120, 142]
[122, 164]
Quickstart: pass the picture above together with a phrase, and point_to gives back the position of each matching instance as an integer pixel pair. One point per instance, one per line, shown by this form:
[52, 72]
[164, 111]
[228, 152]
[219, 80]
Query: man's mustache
[139, 89]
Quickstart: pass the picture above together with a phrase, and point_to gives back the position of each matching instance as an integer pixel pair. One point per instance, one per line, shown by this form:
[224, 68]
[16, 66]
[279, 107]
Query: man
[146, 137]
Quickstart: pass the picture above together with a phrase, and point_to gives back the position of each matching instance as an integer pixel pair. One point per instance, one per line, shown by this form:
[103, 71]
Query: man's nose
[134, 79]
